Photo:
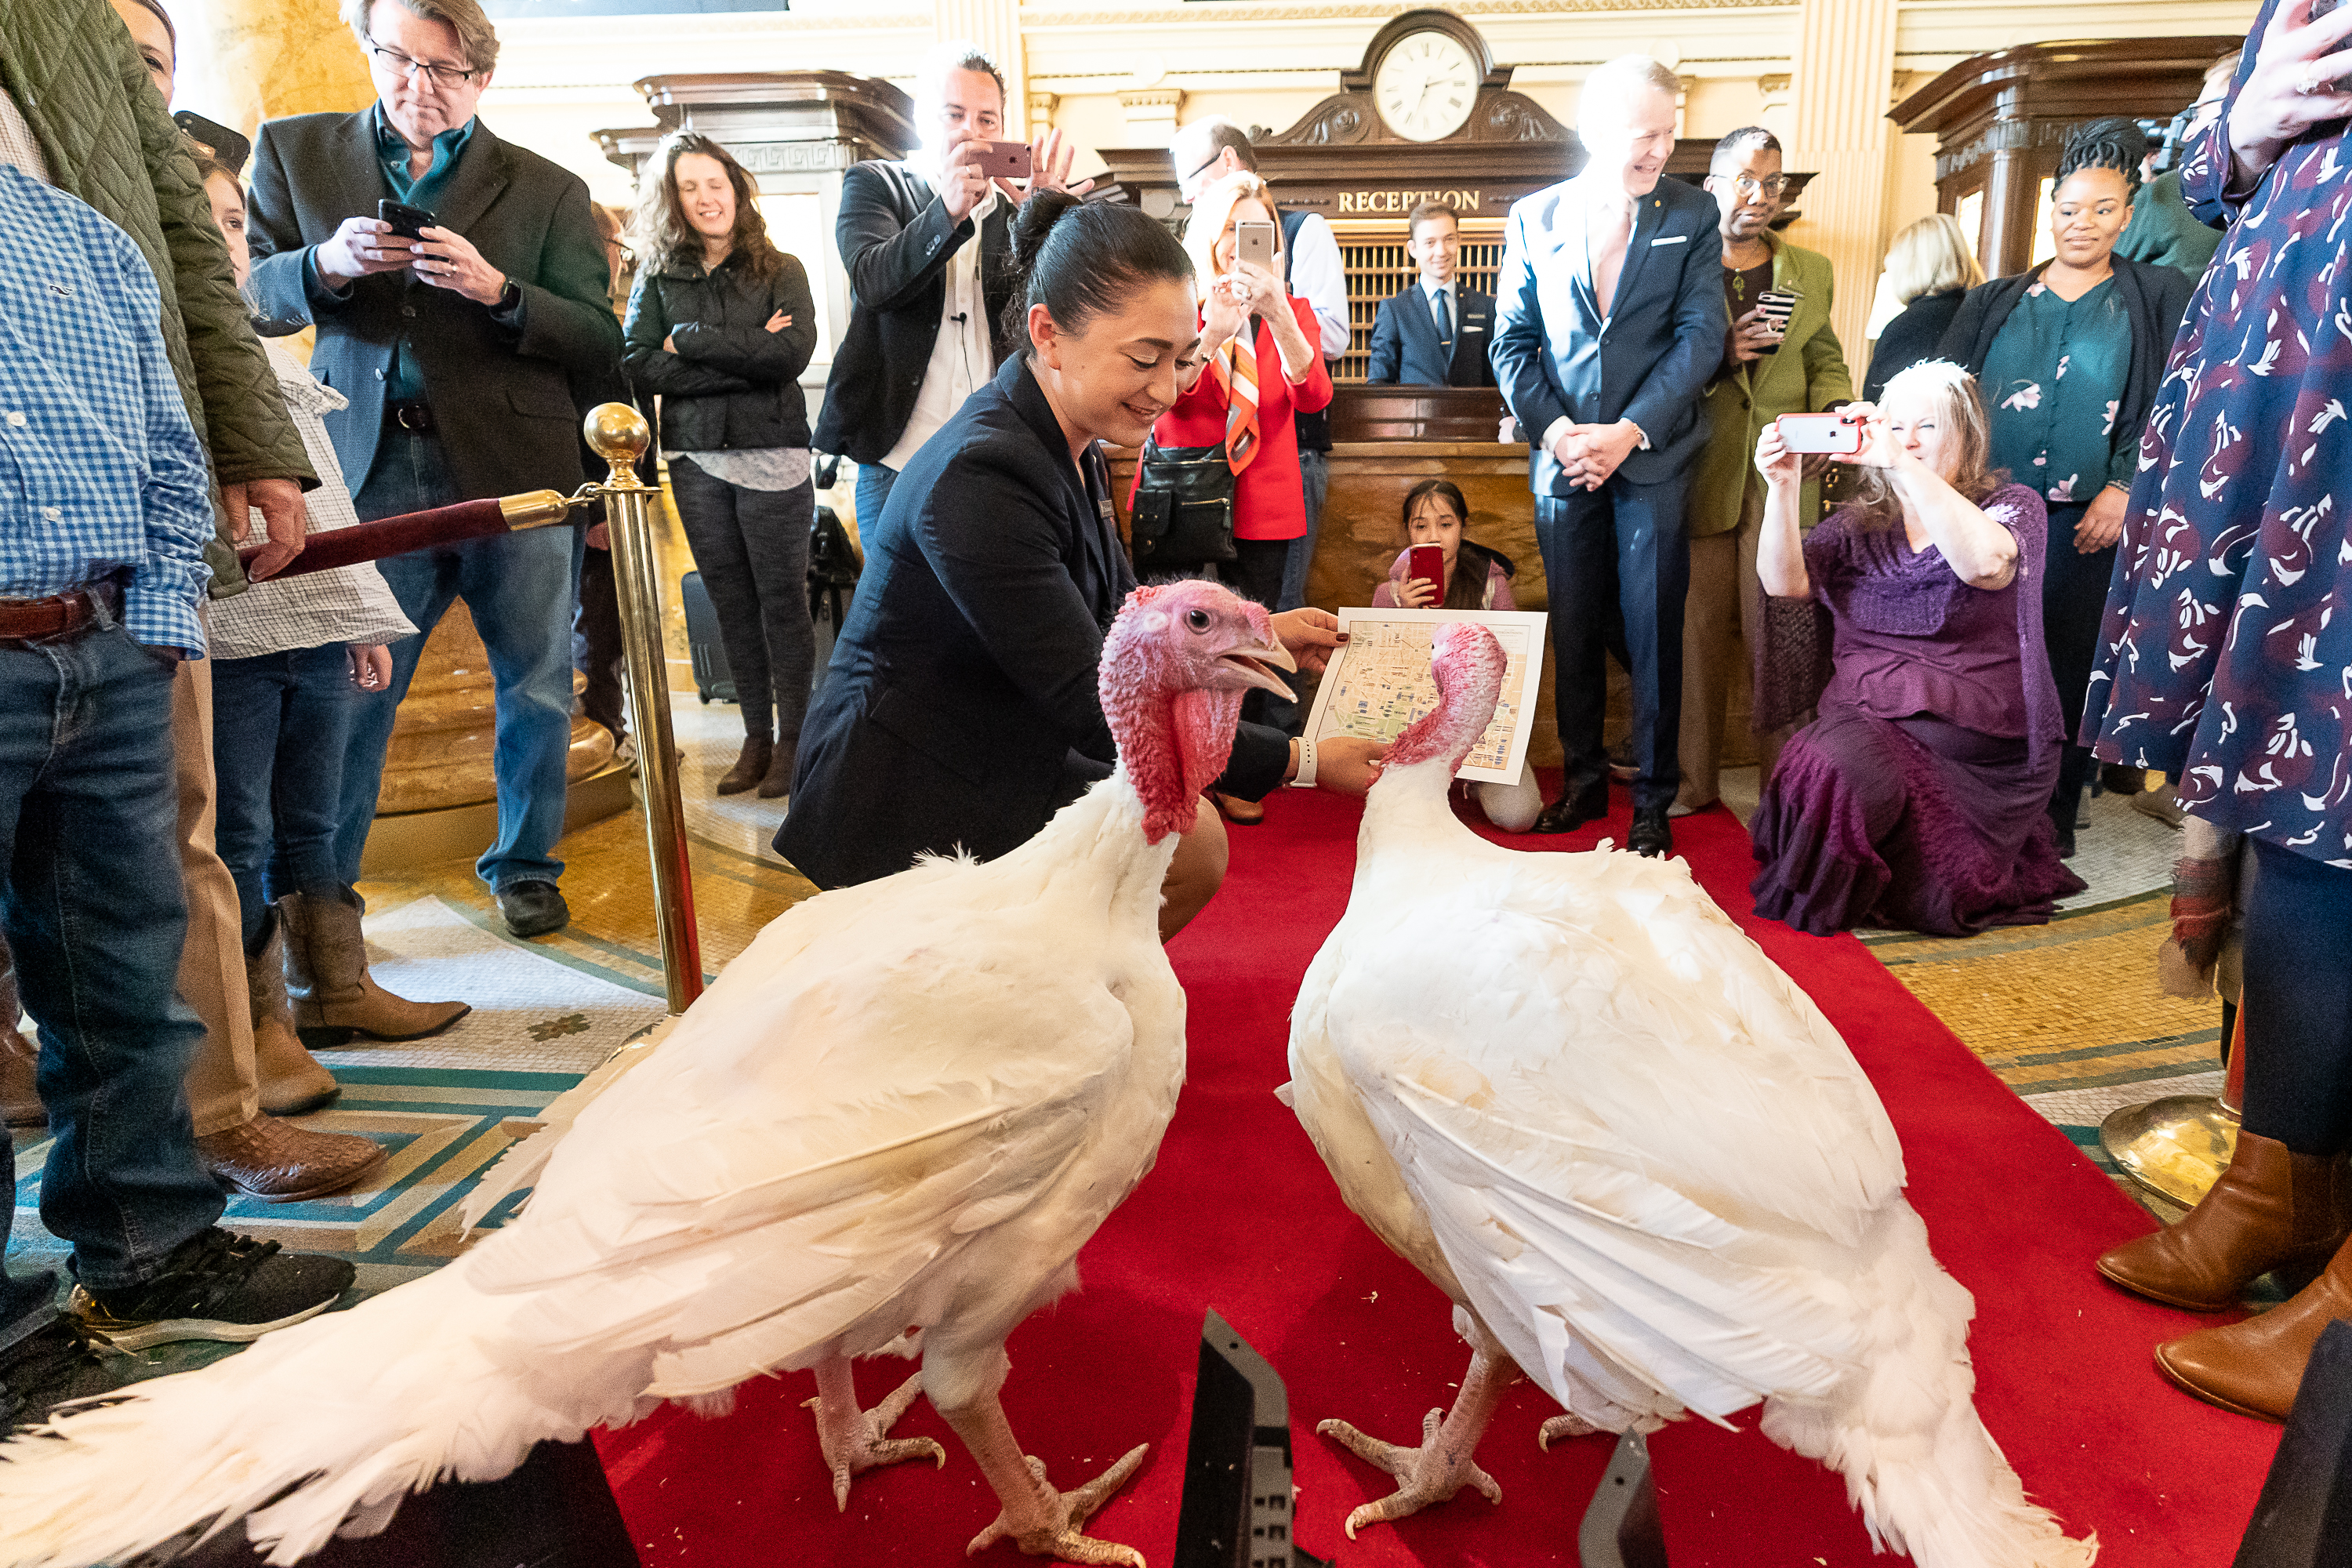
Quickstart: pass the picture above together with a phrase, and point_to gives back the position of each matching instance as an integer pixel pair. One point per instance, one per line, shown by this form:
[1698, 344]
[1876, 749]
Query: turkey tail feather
[322, 1427]
[520, 1165]
[1903, 1427]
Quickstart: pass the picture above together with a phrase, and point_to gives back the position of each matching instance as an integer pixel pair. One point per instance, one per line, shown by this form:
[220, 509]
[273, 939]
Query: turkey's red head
[1469, 665]
[1174, 669]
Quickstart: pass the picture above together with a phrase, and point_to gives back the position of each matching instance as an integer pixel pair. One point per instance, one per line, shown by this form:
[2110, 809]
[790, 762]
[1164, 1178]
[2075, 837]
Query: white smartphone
[1253, 243]
[1819, 433]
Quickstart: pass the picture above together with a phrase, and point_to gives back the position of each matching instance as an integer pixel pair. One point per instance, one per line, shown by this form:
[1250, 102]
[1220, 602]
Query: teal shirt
[2051, 383]
[403, 383]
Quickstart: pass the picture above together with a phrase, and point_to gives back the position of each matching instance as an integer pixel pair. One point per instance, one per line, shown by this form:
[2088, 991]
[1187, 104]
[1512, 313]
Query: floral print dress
[2052, 383]
[2226, 656]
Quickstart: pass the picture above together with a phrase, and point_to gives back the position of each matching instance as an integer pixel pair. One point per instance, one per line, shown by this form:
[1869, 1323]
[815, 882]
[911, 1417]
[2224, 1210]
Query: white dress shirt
[961, 357]
[1320, 278]
[1452, 326]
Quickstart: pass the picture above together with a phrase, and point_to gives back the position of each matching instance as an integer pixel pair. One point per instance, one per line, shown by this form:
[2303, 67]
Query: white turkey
[889, 1125]
[1638, 1159]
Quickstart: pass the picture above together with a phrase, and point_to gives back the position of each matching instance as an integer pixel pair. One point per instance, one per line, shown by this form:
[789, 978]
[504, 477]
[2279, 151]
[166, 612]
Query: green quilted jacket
[109, 139]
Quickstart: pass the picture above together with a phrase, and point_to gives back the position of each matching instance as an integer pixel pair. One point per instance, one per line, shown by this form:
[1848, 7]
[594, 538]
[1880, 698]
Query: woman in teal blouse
[2070, 355]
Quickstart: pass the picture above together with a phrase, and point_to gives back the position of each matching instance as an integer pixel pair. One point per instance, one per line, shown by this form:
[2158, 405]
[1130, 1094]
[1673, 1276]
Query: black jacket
[896, 243]
[730, 384]
[2156, 297]
[960, 707]
[502, 392]
[1910, 338]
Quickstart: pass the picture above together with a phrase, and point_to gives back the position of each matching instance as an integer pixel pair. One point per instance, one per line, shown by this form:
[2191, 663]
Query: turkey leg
[1040, 1520]
[1442, 1466]
[854, 1440]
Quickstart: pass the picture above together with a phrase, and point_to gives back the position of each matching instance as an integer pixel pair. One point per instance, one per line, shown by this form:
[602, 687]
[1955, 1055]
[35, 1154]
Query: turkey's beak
[1250, 662]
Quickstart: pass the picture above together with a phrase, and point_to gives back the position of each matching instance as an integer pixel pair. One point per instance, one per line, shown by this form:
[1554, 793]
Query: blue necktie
[1445, 321]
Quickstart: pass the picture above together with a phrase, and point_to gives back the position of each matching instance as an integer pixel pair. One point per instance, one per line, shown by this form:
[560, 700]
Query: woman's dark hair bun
[1083, 259]
[2113, 143]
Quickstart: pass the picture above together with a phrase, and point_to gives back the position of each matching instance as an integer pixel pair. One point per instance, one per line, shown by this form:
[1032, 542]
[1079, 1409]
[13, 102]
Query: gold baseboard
[407, 842]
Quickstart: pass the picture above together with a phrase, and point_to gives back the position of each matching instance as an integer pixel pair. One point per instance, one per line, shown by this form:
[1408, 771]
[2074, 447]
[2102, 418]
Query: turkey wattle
[889, 1125]
[1638, 1159]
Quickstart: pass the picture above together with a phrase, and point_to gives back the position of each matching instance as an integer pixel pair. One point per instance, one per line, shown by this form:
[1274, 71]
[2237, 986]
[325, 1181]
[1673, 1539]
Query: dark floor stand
[1236, 1509]
[1620, 1527]
[556, 1512]
[2303, 1519]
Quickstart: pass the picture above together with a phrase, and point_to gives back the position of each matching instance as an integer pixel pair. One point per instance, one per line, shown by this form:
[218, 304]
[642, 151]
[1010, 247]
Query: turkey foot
[854, 1440]
[1443, 1465]
[1561, 1428]
[1034, 1516]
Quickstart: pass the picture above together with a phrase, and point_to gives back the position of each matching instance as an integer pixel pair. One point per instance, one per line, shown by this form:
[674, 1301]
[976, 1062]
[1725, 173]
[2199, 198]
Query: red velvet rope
[390, 536]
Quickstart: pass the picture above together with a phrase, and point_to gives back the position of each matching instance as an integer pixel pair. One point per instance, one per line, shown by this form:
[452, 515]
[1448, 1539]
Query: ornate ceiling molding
[1035, 16]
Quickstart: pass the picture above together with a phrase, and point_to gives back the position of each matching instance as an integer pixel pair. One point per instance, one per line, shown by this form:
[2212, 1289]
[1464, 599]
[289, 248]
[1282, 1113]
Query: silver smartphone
[1253, 243]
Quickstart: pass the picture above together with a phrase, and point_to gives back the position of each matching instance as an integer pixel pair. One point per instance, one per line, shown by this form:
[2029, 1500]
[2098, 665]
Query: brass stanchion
[2178, 1147]
[618, 434]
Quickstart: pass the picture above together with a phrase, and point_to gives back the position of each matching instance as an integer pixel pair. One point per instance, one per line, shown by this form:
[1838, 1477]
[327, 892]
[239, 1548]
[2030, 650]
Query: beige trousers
[1722, 620]
[224, 1087]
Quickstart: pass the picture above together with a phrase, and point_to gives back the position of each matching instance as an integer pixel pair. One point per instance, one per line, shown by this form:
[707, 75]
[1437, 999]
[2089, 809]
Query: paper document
[1379, 681]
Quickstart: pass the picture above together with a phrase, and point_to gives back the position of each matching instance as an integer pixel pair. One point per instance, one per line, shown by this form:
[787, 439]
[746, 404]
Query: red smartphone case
[1428, 564]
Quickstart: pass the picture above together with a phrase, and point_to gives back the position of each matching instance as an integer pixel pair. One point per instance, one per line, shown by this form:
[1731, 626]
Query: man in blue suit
[1609, 321]
[1435, 334]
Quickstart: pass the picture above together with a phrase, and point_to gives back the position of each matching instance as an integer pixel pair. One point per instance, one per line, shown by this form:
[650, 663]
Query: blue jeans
[280, 721]
[874, 482]
[520, 589]
[92, 908]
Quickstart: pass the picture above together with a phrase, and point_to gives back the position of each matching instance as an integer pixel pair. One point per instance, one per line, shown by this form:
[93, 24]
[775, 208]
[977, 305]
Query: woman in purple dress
[1918, 800]
[2227, 661]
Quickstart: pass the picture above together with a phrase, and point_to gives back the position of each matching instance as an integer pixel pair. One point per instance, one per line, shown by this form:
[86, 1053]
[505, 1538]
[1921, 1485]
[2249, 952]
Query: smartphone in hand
[1007, 160]
[1427, 564]
[406, 221]
[1814, 433]
[1777, 306]
[1253, 243]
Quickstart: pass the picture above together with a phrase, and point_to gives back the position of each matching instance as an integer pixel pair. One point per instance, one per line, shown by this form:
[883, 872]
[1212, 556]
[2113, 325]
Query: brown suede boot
[750, 765]
[778, 782]
[327, 976]
[2271, 1209]
[280, 1163]
[292, 1081]
[2255, 1367]
[20, 1099]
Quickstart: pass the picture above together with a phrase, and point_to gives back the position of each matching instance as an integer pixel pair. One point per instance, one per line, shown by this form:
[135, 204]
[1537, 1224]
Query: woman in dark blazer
[1930, 269]
[2069, 357]
[960, 709]
[721, 324]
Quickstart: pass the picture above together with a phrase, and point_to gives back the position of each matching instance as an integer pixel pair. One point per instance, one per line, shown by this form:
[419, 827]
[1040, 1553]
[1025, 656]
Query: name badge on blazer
[1671, 239]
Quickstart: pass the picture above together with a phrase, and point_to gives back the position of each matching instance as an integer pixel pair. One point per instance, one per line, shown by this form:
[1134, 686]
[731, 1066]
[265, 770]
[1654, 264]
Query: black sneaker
[216, 1286]
[52, 1365]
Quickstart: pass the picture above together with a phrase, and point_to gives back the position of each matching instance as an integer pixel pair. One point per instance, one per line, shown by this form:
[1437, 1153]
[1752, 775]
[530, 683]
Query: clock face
[1425, 86]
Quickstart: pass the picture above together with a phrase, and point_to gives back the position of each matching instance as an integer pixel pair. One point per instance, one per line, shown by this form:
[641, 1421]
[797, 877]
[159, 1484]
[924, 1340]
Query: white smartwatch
[1305, 779]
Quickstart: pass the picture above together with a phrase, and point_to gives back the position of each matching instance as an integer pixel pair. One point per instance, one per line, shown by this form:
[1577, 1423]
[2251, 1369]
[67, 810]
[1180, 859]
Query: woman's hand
[1416, 594]
[1779, 464]
[778, 322]
[1750, 337]
[1345, 765]
[1264, 291]
[1310, 635]
[2294, 85]
[2103, 524]
[371, 666]
[1881, 448]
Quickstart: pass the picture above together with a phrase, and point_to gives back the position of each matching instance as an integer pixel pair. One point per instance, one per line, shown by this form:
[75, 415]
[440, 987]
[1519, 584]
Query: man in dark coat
[458, 352]
[1435, 332]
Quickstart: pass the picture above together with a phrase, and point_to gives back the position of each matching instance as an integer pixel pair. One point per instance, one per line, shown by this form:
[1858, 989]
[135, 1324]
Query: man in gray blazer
[460, 352]
[1609, 321]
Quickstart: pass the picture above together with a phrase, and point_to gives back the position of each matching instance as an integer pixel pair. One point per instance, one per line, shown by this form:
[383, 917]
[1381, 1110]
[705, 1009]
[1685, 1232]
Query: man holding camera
[457, 284]
[1780, 356]
[928, 246]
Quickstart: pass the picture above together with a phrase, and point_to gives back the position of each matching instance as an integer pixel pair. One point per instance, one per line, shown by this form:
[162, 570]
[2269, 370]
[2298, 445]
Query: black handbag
[1183, 512]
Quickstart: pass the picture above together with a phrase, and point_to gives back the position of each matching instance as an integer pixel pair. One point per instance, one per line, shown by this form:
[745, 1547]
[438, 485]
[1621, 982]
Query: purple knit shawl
[1868, 577]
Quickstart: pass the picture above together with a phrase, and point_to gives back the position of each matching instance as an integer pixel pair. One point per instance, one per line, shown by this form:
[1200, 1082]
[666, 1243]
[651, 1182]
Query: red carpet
[1240, 1215]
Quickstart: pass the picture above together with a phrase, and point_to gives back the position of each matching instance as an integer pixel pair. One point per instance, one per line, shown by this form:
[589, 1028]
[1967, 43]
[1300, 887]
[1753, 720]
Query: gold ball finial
[616, 433]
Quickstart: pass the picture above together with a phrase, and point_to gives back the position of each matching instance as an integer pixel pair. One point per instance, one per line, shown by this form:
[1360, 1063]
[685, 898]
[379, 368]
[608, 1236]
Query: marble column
[251, 60]
[1842, 75]
[994, 26]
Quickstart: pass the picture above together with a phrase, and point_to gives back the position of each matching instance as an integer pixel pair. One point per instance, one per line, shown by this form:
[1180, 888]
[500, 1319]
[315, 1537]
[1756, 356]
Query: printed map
[1379, 682]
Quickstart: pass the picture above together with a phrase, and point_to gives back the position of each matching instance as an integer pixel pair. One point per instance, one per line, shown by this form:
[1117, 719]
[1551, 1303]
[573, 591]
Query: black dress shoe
[1577, 805]
[1653, 835]
[533, 907]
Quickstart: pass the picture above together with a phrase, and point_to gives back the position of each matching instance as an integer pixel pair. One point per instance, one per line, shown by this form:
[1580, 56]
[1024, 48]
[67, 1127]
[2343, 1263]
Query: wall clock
[1426, 86]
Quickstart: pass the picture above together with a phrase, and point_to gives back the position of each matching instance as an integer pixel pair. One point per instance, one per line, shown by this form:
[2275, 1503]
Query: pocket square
[1473, 326]
[1671, 239]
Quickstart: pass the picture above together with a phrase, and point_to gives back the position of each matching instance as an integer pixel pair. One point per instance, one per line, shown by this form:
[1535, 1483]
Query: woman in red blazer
[1263, 366]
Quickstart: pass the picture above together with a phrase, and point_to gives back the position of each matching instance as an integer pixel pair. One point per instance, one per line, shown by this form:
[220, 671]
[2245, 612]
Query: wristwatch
[509, 297]
[1305, 777]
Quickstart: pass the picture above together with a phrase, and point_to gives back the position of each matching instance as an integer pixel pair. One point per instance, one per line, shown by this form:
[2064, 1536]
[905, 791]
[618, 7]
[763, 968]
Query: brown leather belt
[60, 617]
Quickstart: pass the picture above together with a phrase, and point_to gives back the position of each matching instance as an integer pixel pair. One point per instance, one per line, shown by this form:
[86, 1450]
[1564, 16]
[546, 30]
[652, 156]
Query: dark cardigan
[1910, 338]
[2156, 297]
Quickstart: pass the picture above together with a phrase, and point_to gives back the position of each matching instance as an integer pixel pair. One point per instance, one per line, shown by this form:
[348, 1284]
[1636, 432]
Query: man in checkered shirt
[104, 513]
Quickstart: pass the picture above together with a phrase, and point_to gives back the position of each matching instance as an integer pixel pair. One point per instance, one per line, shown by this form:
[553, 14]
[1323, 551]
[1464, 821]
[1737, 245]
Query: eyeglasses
[401, 65]
[1750, 187]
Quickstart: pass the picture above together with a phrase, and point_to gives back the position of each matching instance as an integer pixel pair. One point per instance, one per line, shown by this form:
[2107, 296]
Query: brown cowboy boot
[280, 1163]
[327, 976]
[2271, 1209]
[2255, 1367]
[292, 1081]
[20, 1099]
